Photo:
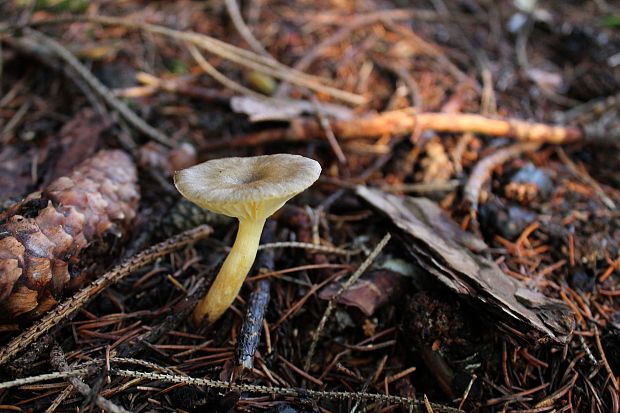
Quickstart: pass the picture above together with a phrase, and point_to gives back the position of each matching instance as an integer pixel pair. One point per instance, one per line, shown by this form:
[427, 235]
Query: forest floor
[460, 251]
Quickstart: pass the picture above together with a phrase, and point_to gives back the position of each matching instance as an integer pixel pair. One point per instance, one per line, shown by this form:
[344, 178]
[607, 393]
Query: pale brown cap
[247, 188]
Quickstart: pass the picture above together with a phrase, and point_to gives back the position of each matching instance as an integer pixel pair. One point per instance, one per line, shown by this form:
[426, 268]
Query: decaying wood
[45, 237]
[524, 313]
[406, 121]
[73, 304]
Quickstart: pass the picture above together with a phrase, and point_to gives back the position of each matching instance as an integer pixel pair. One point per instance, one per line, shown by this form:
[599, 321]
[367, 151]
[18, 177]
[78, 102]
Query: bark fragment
[524, 313]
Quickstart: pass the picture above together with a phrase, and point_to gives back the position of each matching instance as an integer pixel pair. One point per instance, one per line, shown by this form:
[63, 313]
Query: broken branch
[403, 122]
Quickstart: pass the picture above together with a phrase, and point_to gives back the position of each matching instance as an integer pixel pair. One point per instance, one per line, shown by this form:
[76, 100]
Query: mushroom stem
[233, 272]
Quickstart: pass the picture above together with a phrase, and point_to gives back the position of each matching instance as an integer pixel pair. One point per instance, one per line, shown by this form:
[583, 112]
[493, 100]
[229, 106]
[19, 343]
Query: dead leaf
[443, 252]
[79, 140]
[373, 290]
[269, 109]
[15, 172]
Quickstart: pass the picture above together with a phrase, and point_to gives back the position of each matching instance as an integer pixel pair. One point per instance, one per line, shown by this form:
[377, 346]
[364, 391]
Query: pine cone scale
[46, 236]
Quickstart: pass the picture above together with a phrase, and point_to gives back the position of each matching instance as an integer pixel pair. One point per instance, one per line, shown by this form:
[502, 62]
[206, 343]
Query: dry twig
[331, 304]
[242, 57]
[280, 391]
[235, 15]
[218, 76]
[44, 377]
[406, 121]
[62, 396]
[99, 87]
[308, 246]
[482, 170]
[57, 358]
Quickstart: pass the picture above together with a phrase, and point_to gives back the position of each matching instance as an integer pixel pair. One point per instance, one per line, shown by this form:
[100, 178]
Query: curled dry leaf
[43, 239]
[373, 290]
[440, 247]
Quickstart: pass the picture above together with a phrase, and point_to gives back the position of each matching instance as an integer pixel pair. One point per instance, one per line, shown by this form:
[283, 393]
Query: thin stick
[482, 170]
[43, 377]
[58, 360]
[235, 15]
[329, 133]
[308, 246]
[235, 54]
[599, 346]
[331, 304]
[280, 391]
[99, 87]
[218, 76]
[60, 398]
[73, 304]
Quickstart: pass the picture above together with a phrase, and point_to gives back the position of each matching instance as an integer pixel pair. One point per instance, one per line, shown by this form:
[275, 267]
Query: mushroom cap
[247, 188]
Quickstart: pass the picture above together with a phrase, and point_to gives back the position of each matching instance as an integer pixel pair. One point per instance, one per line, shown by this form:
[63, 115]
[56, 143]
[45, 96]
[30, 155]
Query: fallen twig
[403, 122]
[180, 85]
[44, 377]
[76, 302]
[242, 57]
[219, 76]
[133, 119]
[482, 170]
[599, 346]
[331, 304]
[235, 15]
[281, 391]
[62, 396]
[58, 360]
[308, 246]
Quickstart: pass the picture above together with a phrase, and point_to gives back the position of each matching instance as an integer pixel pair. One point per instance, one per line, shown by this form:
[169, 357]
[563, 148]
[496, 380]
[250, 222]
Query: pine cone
[44, 240]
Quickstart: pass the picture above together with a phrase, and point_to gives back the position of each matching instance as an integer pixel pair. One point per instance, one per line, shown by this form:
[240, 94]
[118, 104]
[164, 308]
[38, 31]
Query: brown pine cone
[45, 239]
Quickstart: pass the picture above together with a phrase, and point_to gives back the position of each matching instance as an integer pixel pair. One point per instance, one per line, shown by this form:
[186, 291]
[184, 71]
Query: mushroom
[249, 189]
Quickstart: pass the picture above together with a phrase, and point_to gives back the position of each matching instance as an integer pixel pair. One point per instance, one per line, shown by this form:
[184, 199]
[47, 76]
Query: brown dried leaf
[443, 252]
[157, 157]
[373, 290]
[15, 172]
[79, 139]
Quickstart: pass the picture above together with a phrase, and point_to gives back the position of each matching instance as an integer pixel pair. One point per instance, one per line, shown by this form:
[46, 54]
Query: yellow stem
[233, 272]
